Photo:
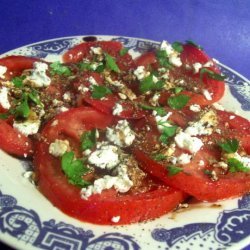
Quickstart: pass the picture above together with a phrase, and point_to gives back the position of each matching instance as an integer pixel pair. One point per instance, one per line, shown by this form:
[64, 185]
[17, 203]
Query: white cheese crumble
[83, 89]
[140, 72]
[121, 135]
[162, 121]
[121, 183]
[116, 219]
[201, 163]
[38, 76]
[184, 158]
[154, 101]
[96, 50]
[3, 70]
[207, 94]
[197, 66]
[58, 147]
[187, 142]
[117, 109]
[105, 156]
[92, 80]
[67, 96]
[218, 106]
[4, 101]
[62, 109]
[27, 127]
[195, 107]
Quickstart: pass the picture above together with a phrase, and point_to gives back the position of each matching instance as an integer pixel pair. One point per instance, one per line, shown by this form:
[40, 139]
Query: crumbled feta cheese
[121, 183]
[67, 96]
[140, 72]
[62, 109]
[154, 101]
[155, 79]
[38, 76]
[117, 109]
[208, 64]
[162, 121]
[184, 158]
[121, 135]
[207, 94]
[245, 161]
[187, 142]
[58, 147]
[176, 61]
[195, 108]
[27, 127]
[3, 70]
[218, 106]
[197, 66]
[116, 219]
[92, 80]
[96, 50]
[83, 89]
[201, 163]
[4, 101]
[105, 156]
[231, 117]
[122, 96]
[56, 102]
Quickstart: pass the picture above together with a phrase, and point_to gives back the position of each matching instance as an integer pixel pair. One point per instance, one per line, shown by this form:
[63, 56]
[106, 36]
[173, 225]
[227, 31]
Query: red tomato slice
[16, 64]
[193, 180]
[147, 60]
[12, 142]
[99, 208]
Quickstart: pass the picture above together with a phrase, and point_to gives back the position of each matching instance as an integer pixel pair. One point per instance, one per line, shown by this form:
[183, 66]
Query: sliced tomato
[16, 64]
[147, 60]
[12, 142]
[192, 179]
[99, 208]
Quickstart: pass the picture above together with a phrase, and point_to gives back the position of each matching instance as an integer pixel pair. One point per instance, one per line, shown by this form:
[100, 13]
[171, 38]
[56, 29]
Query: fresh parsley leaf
[163, 59]
[177, 90]
[167, 132]
[100, 68]
[88, 139]
[160, 111]
[84, 66]
[59, 69]
[207, 172]
[159, 157]
[18, 81]
[33, 96]
[178, 101]
[4, 116]
[229, 146]
[111, 64]
[148, 84]
[23, 109]
[74, 169]
[177, 46]
[173, 170]
[236, 166]
[99, 91]
[123, 51]
[211, 74]
[194, 44]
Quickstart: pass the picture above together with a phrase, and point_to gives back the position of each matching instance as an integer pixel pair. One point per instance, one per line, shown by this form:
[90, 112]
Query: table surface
[221, 27]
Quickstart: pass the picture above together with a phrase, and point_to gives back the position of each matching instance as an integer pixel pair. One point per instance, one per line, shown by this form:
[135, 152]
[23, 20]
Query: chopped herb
[159, 157]
[148, 84]
[229, 146]
[163, 59]
[159, 110]
[100, 68]
[111, 64]
[88, 140]
[18, 81]
[84, 66]
[99, 91]
[236, 166]
[177, 46]
[4, 116]
[211, 74]
[194, 44]
[178, 101]
[74, 169]
[167, 132]
[207, 172]
[123, 51]
[33, 96]
[177, 90]
[23, 109]
[173, 170]
[59, 69]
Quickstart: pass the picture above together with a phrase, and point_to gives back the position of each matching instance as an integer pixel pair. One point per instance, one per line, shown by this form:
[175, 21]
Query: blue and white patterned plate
[29, 221]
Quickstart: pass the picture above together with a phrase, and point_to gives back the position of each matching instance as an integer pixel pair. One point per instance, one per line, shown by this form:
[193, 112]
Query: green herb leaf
[33, 96]
[194, 44]
[99, 91]
[100, 68]
[60, 69]
[177, 90]
[84, 66]
[74, 169]
[18, 81]
[167, 132]
[88, 140]
[211, 74]
[177, 46]
[207, 172]
[236, 166]
[123, 51]
[4, 116]
[229, 146]
[163, 59]
[111, 64]
[159, 157]
[173, 170]
[148, 84]
[23, 110]
[160, 111]
[178, 101]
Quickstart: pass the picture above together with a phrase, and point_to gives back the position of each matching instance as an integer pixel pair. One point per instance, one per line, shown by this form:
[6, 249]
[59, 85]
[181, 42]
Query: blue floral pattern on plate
[232, 226]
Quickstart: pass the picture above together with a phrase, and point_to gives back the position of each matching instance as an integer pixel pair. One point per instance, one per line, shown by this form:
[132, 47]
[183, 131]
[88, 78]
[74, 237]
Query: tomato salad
[119, 140]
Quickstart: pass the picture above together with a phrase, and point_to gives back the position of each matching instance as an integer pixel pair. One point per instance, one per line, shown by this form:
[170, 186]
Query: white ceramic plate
[29, 221]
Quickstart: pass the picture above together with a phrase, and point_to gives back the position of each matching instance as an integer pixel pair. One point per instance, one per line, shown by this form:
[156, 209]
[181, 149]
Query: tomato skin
[99, 208]
[147, 60]
[16, 64]
[12, 142]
